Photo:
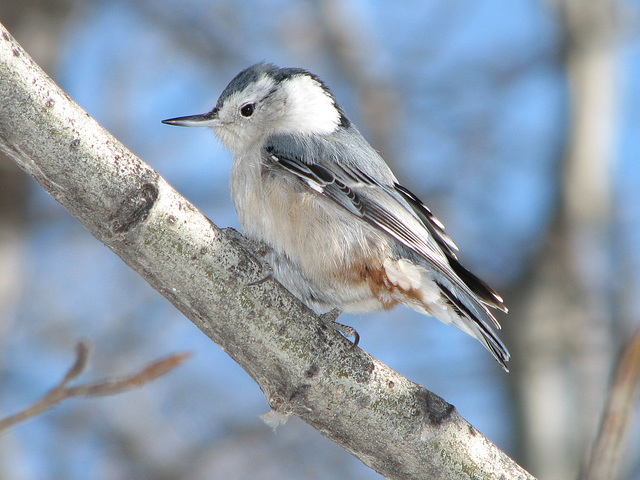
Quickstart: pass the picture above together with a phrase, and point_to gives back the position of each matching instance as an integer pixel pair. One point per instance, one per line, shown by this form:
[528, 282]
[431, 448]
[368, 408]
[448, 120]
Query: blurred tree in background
[516, 121]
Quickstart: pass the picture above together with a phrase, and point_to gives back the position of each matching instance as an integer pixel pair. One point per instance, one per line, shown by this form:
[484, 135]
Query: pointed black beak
[203, 120]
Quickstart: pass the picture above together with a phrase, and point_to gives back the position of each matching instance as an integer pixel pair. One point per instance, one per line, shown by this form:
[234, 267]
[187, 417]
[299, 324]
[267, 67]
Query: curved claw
[261, 280]
[330, 317]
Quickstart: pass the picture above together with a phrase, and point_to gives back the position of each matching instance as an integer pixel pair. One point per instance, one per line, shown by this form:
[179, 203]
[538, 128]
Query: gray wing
[363, 184]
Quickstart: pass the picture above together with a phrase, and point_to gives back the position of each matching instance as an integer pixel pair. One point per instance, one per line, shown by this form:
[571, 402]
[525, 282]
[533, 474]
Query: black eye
[247, 110]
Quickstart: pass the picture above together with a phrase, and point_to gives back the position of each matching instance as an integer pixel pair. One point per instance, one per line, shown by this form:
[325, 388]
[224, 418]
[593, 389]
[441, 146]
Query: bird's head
[264, 100]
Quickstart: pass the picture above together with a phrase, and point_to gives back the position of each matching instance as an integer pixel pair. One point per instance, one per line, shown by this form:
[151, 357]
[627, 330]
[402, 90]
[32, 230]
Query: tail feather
[478, 322]
[485, 293]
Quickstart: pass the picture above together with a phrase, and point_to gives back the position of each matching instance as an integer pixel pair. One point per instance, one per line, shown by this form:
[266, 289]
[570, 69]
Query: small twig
[83, 348]
[604, 462]
[110, 386]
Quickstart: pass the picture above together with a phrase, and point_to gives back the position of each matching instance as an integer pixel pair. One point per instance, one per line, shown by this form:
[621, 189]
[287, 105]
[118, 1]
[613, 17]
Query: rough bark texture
[303, 367]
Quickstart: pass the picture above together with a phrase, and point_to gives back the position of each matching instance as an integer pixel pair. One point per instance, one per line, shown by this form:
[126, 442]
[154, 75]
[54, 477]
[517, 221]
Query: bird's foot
[329, 318]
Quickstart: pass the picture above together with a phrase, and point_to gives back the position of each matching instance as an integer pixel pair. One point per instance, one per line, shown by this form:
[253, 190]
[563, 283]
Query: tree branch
[604, 463]
[111, 386]
[303, 367]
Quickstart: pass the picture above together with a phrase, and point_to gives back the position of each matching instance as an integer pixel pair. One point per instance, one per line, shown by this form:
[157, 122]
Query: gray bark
[303, 367]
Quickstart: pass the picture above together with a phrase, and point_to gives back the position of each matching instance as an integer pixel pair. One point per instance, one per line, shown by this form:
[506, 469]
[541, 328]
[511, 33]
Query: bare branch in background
[304, 368]
[111, 386]
[604, 462]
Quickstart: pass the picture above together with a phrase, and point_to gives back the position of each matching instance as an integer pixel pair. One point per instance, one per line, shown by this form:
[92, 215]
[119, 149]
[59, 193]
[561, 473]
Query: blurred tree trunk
[565, 343]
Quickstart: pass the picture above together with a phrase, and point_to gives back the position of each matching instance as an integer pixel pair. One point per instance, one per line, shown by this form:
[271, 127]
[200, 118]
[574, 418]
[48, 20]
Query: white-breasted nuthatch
[343, 233]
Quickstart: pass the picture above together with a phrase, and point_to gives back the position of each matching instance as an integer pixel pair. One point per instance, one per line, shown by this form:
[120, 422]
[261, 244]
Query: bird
[343, 235]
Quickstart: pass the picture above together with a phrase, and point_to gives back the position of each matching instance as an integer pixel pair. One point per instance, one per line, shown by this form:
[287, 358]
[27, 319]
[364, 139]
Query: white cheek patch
[309, 107]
